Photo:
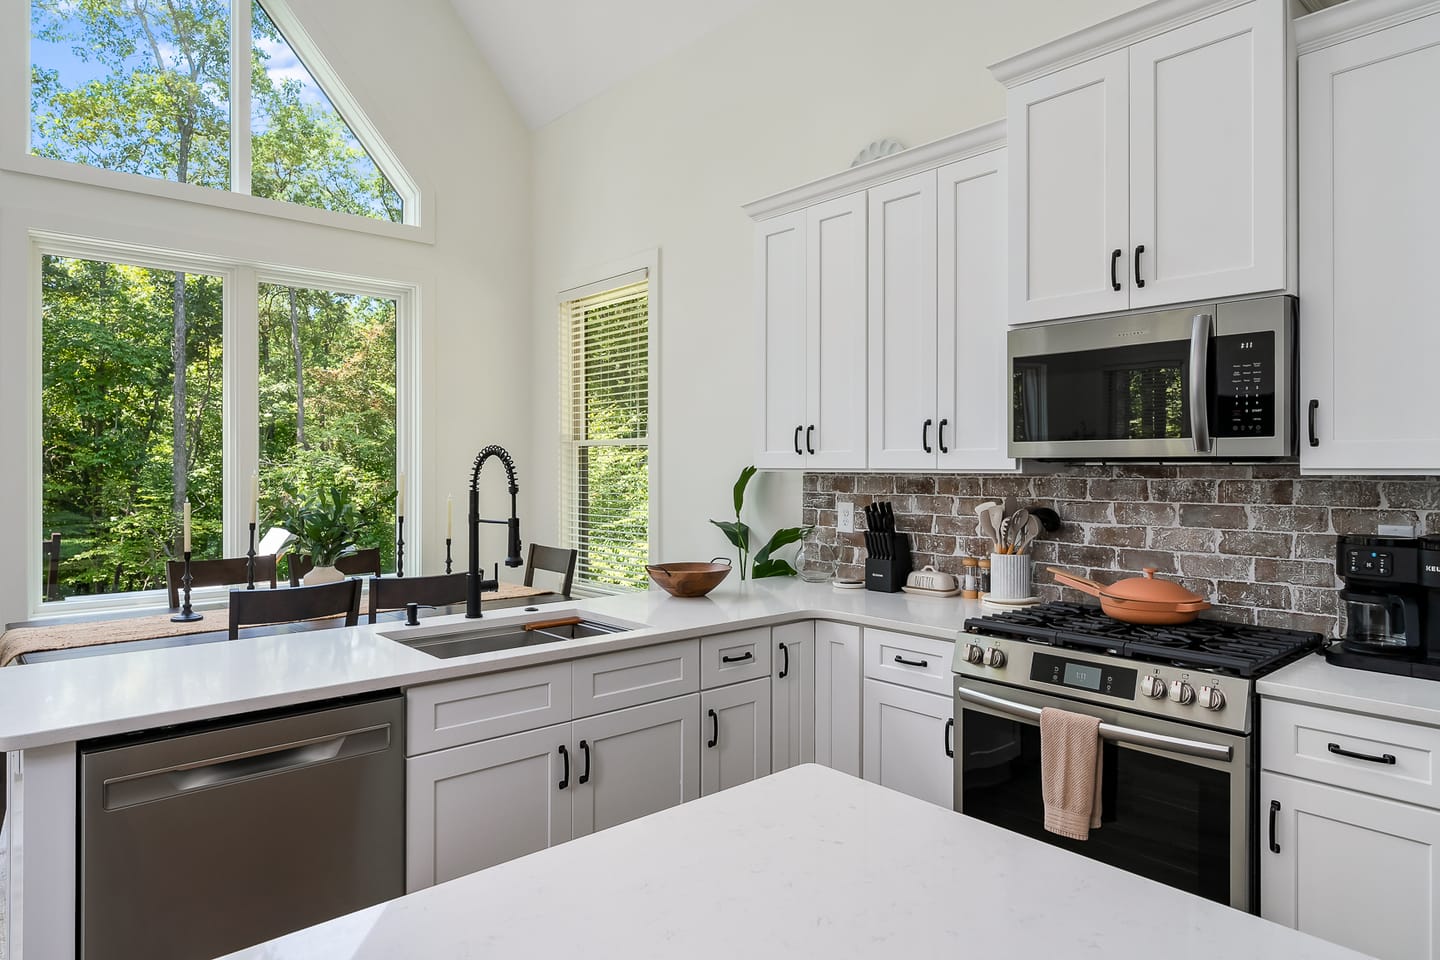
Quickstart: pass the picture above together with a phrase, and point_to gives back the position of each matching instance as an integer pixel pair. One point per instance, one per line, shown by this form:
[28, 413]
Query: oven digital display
[1084, 675]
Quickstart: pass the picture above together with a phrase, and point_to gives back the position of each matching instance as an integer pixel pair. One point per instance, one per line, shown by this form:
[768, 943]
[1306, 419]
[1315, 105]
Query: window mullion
[241, 392]
[240, 38]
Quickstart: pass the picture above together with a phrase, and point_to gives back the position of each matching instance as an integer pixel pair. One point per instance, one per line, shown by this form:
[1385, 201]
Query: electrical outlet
[845, 520]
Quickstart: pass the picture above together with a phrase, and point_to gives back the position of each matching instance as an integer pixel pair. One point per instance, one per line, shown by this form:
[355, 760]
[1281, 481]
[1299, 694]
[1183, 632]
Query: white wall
[418, 77]
[789, 92]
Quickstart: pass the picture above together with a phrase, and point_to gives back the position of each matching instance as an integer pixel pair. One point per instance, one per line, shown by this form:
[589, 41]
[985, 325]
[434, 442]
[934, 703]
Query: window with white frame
[152, 88]
[606, 452]
[141, 409]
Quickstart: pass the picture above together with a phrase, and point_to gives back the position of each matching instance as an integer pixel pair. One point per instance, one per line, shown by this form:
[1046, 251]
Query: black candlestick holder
[187, 613]
[447, 554]
[400, 546]
[250, 561]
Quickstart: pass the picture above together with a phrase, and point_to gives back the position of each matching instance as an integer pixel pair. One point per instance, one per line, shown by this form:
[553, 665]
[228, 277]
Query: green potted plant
[324, 527]
[738, 533]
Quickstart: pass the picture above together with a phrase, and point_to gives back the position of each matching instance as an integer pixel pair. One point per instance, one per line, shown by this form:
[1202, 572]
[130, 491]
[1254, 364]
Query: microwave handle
[1200, 334]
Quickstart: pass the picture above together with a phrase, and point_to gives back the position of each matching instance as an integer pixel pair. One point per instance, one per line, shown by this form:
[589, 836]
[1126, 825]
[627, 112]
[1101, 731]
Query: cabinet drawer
[491, 705]
[629, 678]
[1331, 747]
[919, 662]
[733, 657]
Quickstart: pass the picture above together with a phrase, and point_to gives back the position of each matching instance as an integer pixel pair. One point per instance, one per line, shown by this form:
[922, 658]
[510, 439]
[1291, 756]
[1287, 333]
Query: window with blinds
[605, 409]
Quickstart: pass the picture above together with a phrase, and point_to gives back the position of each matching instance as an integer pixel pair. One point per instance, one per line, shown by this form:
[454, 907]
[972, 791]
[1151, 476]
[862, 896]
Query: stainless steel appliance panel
[196, 842]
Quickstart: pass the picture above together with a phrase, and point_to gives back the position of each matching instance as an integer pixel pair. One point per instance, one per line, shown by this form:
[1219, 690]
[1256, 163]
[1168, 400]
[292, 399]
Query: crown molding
[927, 156]
[1356, 18]
[1108, 36]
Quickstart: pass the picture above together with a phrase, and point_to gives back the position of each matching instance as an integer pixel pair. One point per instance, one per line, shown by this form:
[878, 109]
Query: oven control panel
[1103, 678]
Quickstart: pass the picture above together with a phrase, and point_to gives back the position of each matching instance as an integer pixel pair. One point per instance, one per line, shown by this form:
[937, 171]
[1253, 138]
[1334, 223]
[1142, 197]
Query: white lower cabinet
[792, 695]
[837, 696]
[1351, 868]
[909, 742]
[735, 735]
[474, 806]
[634, 762]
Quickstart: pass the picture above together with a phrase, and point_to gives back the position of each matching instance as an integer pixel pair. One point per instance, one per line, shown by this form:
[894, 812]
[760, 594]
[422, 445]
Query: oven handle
[1108, 731]
[1204, 326]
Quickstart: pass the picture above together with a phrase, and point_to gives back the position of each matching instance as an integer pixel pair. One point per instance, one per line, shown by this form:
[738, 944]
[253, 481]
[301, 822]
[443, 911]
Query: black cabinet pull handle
[747, 655]
[911, 663]
[1274, 812]
[810, 438]
[1340, 751]
[585, 749]
[565, 777]
[798, 451]
[925, 436]
[940, 436]
[785, 652]
[1314, 436]
[714, 728]
[1139, 280]
[949, 743]
[1115, 256]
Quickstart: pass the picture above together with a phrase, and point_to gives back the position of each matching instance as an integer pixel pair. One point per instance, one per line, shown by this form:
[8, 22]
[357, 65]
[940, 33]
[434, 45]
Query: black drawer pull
[1274, 812]
[941, 436]
[949, 743]
[1338, 750]
[785, 664]
[925, 436]
[747, 655]
[1115, 256]
[810, 439]
[585, 749]
[1314, 436]
[912, 663]
[1139, 280]
[798, 451]
[565, 777]
[714, 728]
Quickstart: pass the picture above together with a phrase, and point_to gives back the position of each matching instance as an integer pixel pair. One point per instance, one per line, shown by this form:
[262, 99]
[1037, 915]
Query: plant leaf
[736, 532]
[740, 485]
[781, 538]
[773, 568]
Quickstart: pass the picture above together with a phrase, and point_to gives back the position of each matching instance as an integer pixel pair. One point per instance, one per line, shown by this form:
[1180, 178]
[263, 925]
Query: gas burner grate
[1241, 649]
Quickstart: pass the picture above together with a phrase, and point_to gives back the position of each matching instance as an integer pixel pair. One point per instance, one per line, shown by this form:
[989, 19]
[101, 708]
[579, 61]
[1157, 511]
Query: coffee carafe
[1392, 605]
[1381, 623]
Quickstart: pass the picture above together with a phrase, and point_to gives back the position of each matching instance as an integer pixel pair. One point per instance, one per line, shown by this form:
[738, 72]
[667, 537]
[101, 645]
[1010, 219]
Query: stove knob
[1211, 698]
[995, 657]
[1152, 686]
[1181, 692]
[974, 653]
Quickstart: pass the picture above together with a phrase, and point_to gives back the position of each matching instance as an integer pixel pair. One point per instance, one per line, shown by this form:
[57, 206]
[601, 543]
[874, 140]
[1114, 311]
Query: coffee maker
[1392, 605]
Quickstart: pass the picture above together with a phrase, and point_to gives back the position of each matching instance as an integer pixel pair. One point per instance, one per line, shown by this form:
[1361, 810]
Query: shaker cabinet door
[734, 735]
[780, 312]
[835, 306]
[909, 742]
[792, 695]
[635, 762]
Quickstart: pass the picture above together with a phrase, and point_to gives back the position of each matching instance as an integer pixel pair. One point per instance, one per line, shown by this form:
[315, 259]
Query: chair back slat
[392, 593]
[217, 573]
[249, 608]
[554, 559]
[361, 563]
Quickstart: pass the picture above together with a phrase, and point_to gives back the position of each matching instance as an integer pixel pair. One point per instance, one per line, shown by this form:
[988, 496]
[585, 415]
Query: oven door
[1176, 798]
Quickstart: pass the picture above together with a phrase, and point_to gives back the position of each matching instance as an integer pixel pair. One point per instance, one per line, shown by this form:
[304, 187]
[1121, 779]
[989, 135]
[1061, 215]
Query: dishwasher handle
[170, 782]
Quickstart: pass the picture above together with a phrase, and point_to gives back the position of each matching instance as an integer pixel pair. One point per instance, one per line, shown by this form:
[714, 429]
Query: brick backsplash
[1257, 540]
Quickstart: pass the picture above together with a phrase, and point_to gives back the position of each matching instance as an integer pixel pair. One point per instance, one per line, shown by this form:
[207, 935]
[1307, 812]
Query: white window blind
[605, 431]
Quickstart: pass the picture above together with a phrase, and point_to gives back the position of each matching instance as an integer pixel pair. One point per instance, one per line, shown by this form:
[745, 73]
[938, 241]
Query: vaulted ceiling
[552, 55]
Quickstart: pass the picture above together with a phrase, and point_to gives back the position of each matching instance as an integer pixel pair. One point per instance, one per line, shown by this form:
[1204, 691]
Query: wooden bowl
[690, 579]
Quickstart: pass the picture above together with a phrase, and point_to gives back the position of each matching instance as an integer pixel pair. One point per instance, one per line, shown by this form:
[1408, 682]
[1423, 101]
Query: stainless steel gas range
[1178, 725]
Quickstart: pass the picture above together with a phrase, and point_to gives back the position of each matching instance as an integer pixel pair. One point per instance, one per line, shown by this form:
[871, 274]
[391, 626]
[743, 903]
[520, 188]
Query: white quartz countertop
[61, 701]
[806, 863]
[1315, 681]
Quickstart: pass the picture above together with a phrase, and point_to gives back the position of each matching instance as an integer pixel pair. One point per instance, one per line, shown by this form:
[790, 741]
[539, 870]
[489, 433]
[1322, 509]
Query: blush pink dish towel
[1070, 759]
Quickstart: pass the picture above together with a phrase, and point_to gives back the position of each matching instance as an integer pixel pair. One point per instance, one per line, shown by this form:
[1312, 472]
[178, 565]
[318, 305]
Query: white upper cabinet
[835, 334]
[1069, 200]
[1156, 171]
[902, 323]
[1370, 202]
[780, 307]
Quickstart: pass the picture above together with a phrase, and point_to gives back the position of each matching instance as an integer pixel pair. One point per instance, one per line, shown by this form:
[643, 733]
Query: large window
[606, 431]
[148, 87]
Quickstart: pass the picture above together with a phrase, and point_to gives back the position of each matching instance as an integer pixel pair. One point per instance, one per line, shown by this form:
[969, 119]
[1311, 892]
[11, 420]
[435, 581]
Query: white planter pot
[322, 575]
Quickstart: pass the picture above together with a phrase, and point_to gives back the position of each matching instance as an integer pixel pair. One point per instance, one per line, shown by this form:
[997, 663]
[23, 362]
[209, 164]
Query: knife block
[887, 574]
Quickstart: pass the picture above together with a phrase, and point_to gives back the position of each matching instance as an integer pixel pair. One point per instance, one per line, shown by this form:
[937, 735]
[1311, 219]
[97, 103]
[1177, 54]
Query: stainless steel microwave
[1215, 381]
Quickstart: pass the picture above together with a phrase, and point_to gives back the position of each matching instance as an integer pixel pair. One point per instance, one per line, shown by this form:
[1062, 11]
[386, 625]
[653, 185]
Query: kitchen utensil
[997, 517]
[1017, 528]
[932, 580]
[983, 524]
[1011, 576]
[1002, 544]
[1144, 600]
[1028, 535]
[689, 579]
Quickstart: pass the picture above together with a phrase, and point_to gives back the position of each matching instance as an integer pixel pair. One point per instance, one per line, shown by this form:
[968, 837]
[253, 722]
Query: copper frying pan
[1144, 600]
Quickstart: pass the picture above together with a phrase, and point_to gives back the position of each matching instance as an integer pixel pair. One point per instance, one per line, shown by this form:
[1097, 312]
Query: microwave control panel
[1244, 367]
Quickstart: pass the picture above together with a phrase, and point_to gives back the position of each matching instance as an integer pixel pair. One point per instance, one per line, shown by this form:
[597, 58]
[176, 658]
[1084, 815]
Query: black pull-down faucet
[476, 582]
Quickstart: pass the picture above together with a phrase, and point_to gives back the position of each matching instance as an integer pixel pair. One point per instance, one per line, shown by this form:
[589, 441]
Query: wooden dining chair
[217, 573]
[361, 563]
[392, 593]
[50, 550]
[555, 560]
[250, 608]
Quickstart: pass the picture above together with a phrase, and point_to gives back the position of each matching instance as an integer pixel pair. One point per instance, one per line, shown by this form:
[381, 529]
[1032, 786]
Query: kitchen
[885, 375]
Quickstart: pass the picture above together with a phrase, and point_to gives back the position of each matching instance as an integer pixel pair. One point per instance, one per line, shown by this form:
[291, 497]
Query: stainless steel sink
[468, 641]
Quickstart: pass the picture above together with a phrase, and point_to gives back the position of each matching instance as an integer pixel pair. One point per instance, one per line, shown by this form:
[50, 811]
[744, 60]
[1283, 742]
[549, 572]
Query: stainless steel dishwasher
[197, 841]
